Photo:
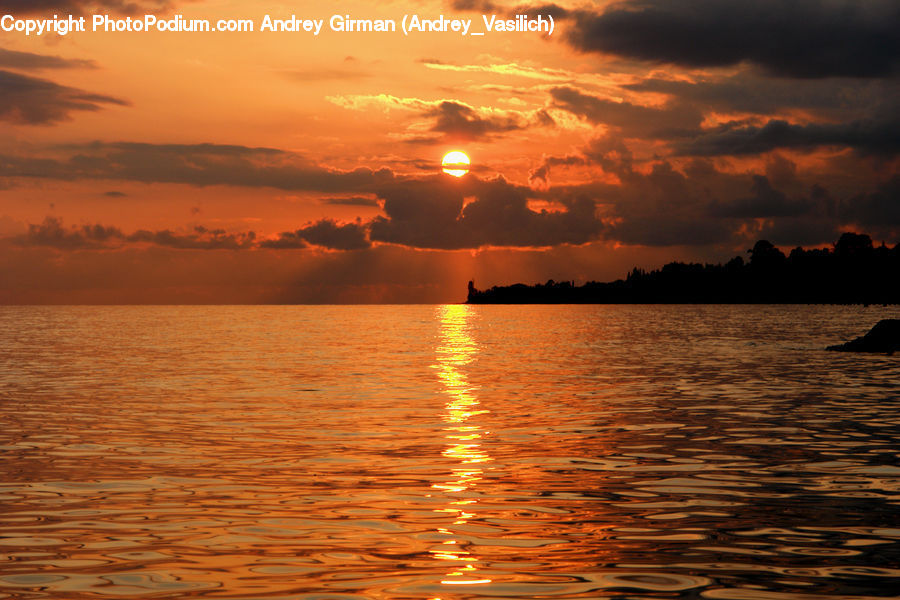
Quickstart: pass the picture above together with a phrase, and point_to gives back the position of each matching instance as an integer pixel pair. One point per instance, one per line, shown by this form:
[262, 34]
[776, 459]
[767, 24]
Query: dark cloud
[115, 194]
[200, 238]
[355, 200]
[326, 233]
[665, 207]
[548, 8]
[13, 59]
[749, 93]
[672, 120]
[434, 212]
[486, 6]
[791, 38]
[27, 166]
[33, 101]
[458, 122]
[500, 216]
[422, 213]
[542, 173]
[685, 203]
[695, 204]
[193, 164]
[870, 136]
[767, 201]
[691, 206]
[878, 210]
[660, 230]
[289, 240]
[609, 152]
[52, 233]
[808, 230]
[443, 215]
[876, 130]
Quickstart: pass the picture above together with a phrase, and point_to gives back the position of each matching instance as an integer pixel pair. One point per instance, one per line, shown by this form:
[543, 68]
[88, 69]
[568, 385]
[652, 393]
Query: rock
[884, 337]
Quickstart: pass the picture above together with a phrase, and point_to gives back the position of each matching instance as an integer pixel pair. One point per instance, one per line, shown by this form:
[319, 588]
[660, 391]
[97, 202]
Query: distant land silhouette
[853, 272]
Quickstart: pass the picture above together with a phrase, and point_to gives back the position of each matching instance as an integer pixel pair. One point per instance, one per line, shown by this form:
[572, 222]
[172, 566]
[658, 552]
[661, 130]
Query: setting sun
[456, 163]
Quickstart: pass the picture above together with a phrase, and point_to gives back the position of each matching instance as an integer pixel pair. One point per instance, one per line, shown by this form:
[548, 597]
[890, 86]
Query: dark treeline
[853, 272]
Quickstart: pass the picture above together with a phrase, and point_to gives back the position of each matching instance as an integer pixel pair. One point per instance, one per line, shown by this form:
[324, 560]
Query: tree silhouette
[853, 272]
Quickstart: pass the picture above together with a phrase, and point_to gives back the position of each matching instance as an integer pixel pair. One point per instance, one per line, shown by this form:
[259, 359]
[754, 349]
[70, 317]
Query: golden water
[444, 452]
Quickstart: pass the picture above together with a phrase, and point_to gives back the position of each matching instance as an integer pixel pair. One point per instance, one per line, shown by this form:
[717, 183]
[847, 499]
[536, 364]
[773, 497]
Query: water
[446, 452]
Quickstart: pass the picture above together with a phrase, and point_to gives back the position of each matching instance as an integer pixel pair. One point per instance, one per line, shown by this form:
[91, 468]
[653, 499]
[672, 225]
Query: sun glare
[455, 163]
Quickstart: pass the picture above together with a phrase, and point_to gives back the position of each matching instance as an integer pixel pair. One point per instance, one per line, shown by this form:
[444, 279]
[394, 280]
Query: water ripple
[446, 452]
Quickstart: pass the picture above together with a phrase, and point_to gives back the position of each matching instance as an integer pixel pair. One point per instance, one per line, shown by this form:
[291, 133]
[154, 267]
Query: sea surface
[447, 452]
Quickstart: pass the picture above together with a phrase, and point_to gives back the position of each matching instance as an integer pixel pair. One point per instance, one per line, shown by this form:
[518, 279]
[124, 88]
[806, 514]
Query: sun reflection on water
[456, 350]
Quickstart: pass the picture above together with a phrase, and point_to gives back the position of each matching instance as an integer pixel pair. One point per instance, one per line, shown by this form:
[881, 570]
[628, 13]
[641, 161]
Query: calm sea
[447, 452]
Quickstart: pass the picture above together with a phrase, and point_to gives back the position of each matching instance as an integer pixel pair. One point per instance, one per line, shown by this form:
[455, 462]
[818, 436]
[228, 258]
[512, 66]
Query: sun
[455, 163]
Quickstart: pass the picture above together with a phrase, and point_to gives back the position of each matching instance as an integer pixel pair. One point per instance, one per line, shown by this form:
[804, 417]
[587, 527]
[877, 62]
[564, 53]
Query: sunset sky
[285, 167]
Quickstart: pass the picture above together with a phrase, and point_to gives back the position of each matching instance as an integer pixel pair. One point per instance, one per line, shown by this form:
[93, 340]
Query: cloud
[511, 69]
[289, 240]
[671, 120]
[458, 121]
[750, 93]
[486, 7]
[608, 151]
[200, 238]
[13, 59]
[500, 216]
[694, 204]
[788, 38]
[877, 210]
[542, 173]
[421, 213]
[326, 233]
[437, 214]
[876, 131]
[664, 207]
[660, 230]
[767, 201]
[193, 164]
[353, 200]
[452, 120]
[808, 230]
[384, 102]
[870, 136]
[547, 8]
[430, 212]
[33, 101]
[51, 233]
[652, 204]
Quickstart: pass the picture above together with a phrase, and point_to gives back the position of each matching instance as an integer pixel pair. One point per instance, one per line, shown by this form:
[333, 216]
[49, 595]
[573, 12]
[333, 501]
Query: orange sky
[283, 167]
